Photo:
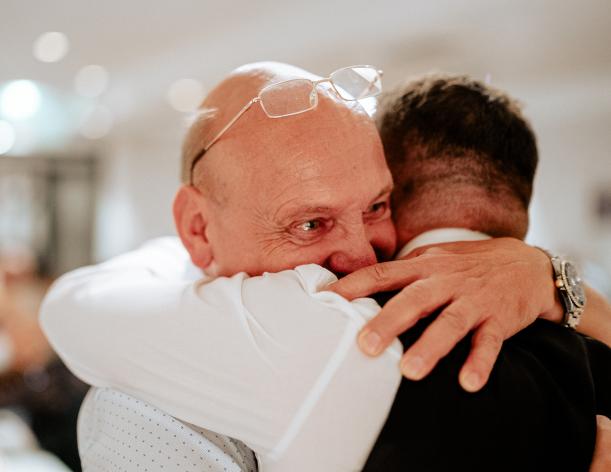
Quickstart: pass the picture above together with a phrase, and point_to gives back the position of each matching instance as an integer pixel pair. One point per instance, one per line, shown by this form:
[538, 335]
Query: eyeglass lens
[296, 96]
[355, 83]
[288, 98]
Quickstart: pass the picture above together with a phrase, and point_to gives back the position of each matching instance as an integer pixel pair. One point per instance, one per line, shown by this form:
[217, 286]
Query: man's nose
[355, 253]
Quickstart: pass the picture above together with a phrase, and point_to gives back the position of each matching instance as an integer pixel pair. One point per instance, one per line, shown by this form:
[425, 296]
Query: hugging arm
[494, 288]
[596, 319]
[601, 461]
[266, 360]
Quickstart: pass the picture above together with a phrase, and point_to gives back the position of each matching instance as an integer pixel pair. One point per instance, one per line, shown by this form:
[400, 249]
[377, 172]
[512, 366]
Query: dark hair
[468, 131]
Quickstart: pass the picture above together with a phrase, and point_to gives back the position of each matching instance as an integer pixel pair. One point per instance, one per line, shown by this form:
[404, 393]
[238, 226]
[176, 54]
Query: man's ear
[191, 219]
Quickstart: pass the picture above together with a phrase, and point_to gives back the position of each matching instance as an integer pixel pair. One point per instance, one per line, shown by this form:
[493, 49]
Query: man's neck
[439, 236]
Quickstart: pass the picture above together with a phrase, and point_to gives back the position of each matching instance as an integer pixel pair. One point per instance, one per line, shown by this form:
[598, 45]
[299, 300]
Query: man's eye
[309, 226]
[377, 209]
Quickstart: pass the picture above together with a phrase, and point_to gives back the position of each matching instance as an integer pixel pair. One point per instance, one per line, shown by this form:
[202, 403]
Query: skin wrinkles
[297, 158]
[305, 161]
[273, 232]
[344, 219]
[296, 209]
[275, 169]
[309, 174]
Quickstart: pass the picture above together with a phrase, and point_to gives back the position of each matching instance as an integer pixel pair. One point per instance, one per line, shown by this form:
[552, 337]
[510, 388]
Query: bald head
[226, 100]
[281, 185]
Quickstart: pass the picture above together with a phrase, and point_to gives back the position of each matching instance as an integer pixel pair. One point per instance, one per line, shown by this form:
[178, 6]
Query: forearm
[596, 319]
[232, 355]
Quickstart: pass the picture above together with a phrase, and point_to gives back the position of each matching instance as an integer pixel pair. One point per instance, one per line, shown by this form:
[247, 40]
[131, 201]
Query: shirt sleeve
[269, 360]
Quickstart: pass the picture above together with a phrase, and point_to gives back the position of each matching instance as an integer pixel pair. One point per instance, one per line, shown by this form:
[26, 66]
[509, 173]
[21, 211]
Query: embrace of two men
[235, 347]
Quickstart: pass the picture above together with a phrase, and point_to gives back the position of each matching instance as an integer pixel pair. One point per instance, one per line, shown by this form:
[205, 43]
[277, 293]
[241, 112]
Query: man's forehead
[327, 141]
[313, 144]
[304, 201]
[246, 82]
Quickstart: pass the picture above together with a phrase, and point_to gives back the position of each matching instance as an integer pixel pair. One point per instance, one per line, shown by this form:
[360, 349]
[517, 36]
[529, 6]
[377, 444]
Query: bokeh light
[51, 47]
[97, 123]
[20, 100]
[91, 81]
[7, 136]
[185, 95]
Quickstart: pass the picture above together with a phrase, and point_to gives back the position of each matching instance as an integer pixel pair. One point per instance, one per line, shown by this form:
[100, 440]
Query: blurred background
[94, 98]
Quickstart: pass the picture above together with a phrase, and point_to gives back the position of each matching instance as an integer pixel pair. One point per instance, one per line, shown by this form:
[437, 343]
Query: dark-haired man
[464, 146]
[463, 158]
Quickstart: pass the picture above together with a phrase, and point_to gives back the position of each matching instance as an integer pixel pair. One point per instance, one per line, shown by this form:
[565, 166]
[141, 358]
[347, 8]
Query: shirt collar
[441, 235]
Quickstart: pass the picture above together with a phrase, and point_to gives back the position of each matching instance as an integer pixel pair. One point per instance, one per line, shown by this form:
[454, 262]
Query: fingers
[438, 339]
[469, 247]
[604, 423]
[393, 275]
[376, 278]
[429, 249]
[601, 462]
[401, 313]
[486, 345]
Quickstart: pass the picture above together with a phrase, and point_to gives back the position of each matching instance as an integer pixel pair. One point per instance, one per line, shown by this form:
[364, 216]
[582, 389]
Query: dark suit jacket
[536, 413]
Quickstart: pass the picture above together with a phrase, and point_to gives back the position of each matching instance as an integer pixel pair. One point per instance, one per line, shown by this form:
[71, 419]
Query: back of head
[462, 155]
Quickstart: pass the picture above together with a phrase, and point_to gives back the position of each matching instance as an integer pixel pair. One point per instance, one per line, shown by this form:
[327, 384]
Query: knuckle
[482, 365]
[456, 320]
[417, 293]
[489, 340]
[379, 272]
[434, 250]
[393, 322]
[431, 259]
[378, 323]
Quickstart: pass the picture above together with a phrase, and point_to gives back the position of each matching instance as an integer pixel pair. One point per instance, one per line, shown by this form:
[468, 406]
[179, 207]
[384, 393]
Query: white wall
[552, 55]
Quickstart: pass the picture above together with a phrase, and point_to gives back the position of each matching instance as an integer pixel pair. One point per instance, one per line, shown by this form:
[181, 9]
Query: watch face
[574, 285]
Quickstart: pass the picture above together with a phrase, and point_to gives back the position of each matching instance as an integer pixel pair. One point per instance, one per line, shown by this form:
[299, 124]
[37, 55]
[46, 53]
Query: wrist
[555, 311]
[570, 290]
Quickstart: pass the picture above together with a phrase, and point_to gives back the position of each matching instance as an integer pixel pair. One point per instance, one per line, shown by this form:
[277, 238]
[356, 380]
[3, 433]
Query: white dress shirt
[439, 236]
[269, 360]
[265, 359]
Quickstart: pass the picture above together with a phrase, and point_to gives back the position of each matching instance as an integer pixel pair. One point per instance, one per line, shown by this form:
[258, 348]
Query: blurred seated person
[36, 390]
[19, 449]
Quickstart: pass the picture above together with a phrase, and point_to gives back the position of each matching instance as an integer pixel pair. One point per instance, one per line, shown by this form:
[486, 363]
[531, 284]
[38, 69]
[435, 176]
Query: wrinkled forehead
[316, 150]
[244, 84]
[333, 130]
[330, 131]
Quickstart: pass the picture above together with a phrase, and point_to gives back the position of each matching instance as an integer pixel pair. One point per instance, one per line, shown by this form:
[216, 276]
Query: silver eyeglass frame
[257, 99]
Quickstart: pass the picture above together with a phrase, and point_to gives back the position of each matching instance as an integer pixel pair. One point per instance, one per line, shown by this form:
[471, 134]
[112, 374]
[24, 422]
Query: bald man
[268, 194]
[271, 195]
[285, 195]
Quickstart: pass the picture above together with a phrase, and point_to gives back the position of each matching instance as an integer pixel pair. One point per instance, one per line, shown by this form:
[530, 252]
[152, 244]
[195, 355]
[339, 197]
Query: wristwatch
[570, 287]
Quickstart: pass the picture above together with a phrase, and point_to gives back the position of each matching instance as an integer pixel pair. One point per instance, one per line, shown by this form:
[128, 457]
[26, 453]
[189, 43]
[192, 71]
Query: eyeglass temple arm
[200, 154]
[232, 122]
